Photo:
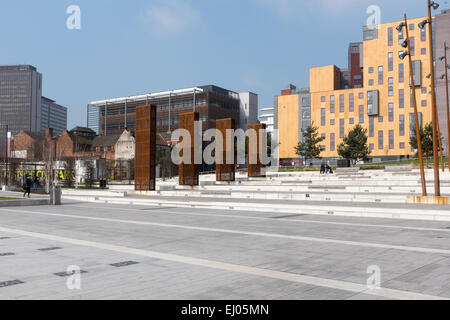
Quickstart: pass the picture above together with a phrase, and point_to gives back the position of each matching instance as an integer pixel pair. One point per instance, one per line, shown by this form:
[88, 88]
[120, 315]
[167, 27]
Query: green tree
[426, 138]
[309, 148]
[354, 146]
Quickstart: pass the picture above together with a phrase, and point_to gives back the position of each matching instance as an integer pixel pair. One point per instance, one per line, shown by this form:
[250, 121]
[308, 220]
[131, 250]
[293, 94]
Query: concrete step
[281, 207]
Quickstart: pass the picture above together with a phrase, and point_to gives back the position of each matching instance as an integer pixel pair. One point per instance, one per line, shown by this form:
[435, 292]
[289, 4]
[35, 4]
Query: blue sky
[139, 46]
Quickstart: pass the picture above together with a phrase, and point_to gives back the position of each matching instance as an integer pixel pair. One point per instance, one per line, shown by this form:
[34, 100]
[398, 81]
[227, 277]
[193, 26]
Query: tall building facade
[248, 109]
[292, 114]
[267, 117]
[355, 64]
[53, 116]
[442, 31]
[110, 117]
[20, 98]
[383, 105]
[93, 118]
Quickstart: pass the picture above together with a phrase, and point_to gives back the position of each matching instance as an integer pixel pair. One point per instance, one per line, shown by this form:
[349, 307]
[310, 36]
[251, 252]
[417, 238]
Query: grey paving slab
[151, 278]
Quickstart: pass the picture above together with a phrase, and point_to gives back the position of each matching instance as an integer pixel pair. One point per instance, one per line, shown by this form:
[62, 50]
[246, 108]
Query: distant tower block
[188, 173]
[145, 160]
[257, 169]
[224, 170]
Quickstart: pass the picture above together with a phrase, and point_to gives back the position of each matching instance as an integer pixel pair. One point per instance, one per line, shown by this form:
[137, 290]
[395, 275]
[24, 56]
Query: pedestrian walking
[27, 186]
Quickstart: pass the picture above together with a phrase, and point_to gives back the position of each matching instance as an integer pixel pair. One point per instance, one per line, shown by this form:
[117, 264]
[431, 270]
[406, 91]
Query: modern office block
[20, 98]
[53, 116]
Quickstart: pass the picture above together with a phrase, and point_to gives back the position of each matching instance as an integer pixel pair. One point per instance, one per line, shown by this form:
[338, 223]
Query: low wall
[24, 203]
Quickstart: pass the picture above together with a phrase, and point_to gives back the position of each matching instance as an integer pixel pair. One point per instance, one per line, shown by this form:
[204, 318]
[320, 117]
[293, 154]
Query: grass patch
[6, 198]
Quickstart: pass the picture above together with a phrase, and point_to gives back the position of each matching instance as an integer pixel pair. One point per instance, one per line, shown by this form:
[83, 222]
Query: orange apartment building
[382, 104]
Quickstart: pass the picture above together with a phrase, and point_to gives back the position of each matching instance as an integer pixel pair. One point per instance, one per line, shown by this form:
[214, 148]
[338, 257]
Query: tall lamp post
[402, 55]
[437, 184]
[445, 76]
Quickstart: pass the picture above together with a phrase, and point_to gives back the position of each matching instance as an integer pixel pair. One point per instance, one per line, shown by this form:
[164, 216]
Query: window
[423, 34]
[391, 112]
[371, 127]
[423, 51]
[372, 103]
[411, 27]
[370, 69]
[411, 98]
[417, 72]
[306, 102]
[370, 33]
[351, 102]
[391, 139]
[332, 104]
[391, 87]
[390, 36]
[400, 37]
[331, 122]
[424, 103]
[323, 99]
[380, 119]
[402, 145]
[341, 103]
[371, 82]
[380, 75]
[423, 90]
[361, 95]
[341, 128]
[371, 147]
[402, 125]
[390, 61]
[361, 114]
[323, 117]
[332, 142]
[401, 73]
[412, 46]
[412, 123]
[380, 140]
[351, 121]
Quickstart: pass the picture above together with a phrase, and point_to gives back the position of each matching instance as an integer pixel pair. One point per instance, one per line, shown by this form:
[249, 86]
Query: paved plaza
[151, 252]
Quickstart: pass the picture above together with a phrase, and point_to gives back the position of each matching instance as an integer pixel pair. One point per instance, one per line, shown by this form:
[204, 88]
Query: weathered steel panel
[188, 172]
[225, 171]
[145, 161]
[256, 170]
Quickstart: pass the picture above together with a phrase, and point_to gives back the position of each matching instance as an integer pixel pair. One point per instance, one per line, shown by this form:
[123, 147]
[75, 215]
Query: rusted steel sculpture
[255, 168]
[188, 172]
[145, 160]
[225, 171]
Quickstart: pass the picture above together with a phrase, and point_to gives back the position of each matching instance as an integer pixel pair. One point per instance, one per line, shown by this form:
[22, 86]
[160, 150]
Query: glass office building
[53, 116]
[20, 98]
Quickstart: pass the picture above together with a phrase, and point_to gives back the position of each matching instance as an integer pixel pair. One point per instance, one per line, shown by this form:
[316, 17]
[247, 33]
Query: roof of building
[148, 96]
[105, 141]
[78, 128]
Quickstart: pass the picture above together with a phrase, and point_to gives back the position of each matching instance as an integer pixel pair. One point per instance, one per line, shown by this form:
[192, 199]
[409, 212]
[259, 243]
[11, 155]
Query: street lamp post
[437, 184]
[406, 44]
